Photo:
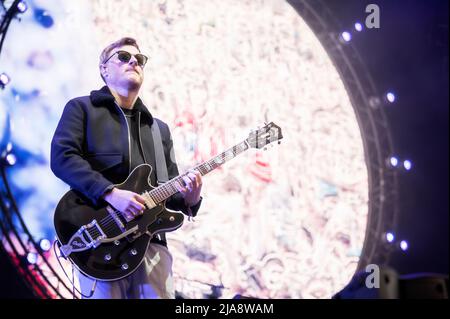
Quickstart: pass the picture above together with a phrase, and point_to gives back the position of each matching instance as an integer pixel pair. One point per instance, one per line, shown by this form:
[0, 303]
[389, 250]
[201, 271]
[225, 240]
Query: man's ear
[103, 70]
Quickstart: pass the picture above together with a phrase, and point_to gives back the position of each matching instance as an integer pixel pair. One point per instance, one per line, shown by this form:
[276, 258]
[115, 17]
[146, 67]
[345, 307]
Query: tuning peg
[279, 142]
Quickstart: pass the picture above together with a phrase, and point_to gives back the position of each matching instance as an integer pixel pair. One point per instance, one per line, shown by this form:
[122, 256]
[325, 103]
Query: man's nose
[133, 60]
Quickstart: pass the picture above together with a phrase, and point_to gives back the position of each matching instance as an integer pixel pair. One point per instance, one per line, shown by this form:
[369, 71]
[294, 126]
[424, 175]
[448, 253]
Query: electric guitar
[103, 245]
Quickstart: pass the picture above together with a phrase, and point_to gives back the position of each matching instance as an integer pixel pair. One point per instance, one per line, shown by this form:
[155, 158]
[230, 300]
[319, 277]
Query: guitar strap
[161, 166]
[162, 175]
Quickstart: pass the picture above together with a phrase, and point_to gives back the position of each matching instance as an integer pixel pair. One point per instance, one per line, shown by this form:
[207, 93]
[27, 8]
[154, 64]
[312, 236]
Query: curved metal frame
[374, 126]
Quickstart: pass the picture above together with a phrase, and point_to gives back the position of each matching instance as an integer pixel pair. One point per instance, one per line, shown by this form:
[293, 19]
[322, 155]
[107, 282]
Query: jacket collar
[104, 96]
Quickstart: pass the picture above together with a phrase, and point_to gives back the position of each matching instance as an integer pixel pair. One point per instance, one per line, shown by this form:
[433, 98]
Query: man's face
[128, 75]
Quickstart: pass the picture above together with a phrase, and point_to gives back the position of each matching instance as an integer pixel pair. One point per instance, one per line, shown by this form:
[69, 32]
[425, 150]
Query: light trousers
[151, 280]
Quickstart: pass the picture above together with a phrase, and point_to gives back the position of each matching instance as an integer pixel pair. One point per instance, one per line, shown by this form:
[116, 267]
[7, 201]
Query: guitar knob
[133, 252]
[124, 266]
[107, 257]
[116, 242]
[159, 221]
[171, 218]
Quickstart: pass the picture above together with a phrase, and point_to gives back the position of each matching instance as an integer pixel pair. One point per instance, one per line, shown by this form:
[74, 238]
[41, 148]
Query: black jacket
[90, 147]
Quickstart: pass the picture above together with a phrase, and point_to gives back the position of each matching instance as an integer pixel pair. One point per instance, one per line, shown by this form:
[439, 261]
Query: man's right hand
[128, 203]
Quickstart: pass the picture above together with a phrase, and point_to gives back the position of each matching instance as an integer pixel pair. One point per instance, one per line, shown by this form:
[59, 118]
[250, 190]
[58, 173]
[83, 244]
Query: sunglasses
[125, 57]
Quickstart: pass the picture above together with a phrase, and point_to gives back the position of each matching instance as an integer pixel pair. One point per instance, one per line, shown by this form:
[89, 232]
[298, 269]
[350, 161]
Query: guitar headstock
[264, 136]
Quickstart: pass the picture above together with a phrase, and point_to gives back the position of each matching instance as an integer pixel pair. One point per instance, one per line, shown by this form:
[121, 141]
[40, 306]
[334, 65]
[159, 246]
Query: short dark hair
[121, 42]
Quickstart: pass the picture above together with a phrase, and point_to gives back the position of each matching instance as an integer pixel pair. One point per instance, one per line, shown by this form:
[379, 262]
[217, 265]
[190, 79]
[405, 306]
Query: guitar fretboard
[169, 188]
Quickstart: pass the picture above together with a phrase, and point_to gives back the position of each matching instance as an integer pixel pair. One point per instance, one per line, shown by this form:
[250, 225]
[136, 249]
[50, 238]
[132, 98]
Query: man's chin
[133, 84]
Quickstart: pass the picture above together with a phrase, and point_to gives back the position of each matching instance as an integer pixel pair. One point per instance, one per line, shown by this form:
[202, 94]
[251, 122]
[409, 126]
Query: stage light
[43, 18]
[22, 6]
[358, 27]
[11, 159]
[45, 244]
[390, 237]
[8, 159]
[407, 164]
[4, 80]
[404, 245]
[393, 161]
[390, 97]
[32, 258]
[346, 36]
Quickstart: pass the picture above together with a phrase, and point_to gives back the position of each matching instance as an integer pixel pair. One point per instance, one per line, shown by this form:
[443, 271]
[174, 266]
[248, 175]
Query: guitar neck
[221, 159]
[169, 188]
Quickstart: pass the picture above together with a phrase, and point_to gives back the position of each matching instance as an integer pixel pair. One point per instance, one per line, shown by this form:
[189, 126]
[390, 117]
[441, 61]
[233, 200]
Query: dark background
[408, 55]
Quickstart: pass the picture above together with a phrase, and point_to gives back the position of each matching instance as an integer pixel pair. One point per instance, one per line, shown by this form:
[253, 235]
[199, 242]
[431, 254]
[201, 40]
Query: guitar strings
[108, 223]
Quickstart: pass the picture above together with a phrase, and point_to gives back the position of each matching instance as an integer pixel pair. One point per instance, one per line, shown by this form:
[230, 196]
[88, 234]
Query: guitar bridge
[82, 239]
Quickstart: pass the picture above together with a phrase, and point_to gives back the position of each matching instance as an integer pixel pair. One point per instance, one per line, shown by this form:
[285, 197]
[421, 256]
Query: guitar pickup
[112, 212]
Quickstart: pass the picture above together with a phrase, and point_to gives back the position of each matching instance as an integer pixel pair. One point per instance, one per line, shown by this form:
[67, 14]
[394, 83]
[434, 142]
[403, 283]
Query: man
[99, 140]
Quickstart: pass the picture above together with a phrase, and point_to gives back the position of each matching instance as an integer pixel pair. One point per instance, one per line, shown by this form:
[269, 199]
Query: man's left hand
[191, 188]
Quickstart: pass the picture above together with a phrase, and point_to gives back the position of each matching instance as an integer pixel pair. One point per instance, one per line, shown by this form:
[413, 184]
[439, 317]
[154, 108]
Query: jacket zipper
[129, 139]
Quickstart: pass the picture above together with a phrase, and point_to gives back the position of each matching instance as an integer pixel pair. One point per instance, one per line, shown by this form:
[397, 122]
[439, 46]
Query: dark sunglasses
[125, 57]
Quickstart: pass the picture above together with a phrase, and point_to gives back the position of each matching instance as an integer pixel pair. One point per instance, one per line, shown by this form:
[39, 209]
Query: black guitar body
[99, 241]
